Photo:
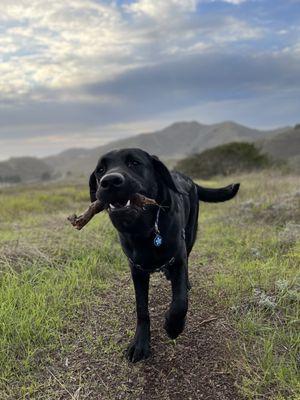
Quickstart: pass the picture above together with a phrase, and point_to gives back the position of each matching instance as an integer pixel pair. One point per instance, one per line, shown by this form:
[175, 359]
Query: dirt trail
[92, 366]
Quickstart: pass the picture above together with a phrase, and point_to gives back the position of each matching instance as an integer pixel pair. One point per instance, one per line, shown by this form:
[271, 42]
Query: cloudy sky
[78, 73]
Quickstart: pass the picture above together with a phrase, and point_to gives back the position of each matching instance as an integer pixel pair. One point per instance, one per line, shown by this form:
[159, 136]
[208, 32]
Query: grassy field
[247, 255]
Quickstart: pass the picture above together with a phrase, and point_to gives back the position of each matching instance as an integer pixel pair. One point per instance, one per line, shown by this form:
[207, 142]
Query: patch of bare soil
[91, 364]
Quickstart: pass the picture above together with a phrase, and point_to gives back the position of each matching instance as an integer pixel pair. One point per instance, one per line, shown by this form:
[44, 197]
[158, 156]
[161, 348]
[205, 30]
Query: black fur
[179, 198]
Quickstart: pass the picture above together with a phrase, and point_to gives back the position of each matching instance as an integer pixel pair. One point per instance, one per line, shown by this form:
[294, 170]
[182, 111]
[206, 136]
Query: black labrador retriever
[154, 238]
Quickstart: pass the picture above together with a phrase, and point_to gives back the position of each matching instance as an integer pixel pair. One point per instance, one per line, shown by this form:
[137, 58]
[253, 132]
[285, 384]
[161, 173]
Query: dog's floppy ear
[93, 187]
[163, 172]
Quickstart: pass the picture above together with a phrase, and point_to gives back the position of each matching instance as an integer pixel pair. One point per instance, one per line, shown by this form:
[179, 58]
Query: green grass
[247, 249]
[256, 273]
[47, 272]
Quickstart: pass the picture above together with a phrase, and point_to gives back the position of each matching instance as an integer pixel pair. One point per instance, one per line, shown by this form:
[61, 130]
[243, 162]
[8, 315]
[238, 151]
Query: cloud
[203, 77]
[92, 66]
[61, 44]
[65, 44]
[145, 92]
[161, 9]
[234, 1]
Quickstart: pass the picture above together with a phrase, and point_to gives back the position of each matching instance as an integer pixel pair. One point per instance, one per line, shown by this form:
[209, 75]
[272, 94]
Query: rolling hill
[284, 145]
[171, 143]
[24, 169]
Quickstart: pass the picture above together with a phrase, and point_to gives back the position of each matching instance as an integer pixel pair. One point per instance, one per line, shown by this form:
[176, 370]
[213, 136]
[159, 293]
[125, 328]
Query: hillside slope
[284, 145]
[173, 142]
[24, 169]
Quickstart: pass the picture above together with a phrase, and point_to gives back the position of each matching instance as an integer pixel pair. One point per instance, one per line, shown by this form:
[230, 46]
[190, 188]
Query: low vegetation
[254, 251]
[52, 277]
[227, 159]
[24, 169]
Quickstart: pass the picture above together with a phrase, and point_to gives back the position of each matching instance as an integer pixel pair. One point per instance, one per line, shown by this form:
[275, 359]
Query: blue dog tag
[157, 240]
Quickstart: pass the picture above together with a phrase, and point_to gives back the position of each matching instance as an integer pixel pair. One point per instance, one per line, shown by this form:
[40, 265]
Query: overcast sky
[78, 73]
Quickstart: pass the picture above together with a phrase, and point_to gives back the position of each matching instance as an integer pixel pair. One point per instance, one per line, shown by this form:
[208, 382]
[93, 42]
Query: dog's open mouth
[119, 205]
[135, 201]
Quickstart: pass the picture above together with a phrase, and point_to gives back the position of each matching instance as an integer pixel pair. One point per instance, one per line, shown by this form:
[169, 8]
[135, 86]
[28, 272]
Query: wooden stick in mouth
[96, 207]
[140, 200]
[80, 221]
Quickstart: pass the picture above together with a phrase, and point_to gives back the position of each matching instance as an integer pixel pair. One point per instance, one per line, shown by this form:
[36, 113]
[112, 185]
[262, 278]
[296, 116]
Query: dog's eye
[100, 169]
[132, 163]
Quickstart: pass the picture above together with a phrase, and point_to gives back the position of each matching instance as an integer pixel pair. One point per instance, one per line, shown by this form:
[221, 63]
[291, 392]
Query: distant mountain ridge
[171, 143]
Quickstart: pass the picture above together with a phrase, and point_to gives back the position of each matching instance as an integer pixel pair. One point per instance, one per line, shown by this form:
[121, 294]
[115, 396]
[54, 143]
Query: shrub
[224, 160]
[10, 179]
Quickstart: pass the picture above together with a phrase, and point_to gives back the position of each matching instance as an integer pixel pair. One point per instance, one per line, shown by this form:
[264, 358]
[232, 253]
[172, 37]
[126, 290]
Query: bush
[46, 176]
[224, 160]
[10, 179]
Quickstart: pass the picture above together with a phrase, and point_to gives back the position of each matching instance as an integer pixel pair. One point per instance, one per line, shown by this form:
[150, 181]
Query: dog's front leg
[175, 317]
[139, 348]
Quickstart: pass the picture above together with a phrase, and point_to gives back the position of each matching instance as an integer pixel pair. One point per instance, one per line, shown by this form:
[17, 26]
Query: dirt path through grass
[91, 364]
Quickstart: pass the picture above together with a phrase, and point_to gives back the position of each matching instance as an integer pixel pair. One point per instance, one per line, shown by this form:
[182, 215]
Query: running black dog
[154, 237]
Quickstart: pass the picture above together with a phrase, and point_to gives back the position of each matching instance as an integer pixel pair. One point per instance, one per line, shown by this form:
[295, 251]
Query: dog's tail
[217, 195]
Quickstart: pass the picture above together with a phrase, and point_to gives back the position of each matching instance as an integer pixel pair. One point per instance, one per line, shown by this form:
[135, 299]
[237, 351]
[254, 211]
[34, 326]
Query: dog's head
[122, 173]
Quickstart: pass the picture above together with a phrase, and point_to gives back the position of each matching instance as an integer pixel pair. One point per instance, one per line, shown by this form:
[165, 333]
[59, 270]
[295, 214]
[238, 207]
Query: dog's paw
[174, 327]
[137, 351]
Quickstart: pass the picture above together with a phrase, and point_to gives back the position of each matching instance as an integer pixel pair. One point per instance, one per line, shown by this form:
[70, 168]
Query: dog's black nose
[112, 180]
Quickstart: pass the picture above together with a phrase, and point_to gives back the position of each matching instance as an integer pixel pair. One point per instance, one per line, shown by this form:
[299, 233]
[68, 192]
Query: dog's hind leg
[175, 317]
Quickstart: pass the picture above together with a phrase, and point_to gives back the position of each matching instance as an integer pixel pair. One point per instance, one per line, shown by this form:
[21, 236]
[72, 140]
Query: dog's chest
[144, 252]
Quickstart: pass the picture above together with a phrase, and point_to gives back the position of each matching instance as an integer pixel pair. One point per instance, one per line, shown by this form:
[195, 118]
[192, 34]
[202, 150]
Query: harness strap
[162, 268]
